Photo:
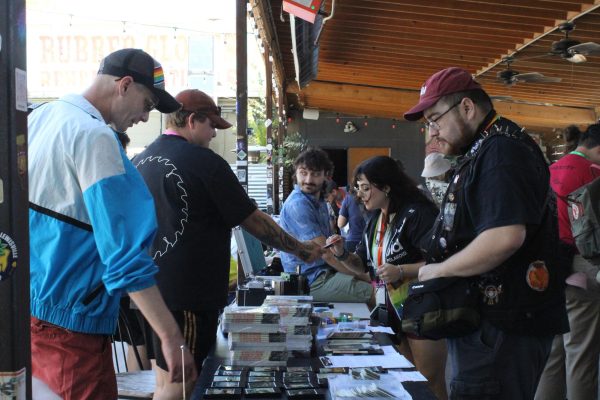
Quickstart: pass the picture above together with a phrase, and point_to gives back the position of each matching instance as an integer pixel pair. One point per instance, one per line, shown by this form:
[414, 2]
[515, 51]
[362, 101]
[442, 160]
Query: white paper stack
[251, 319]
[252, 340]
[295, 314]
[255, 336]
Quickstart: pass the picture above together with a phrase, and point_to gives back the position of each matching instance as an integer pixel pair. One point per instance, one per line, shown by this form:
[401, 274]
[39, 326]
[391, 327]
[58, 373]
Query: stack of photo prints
[351, 342]
[295, 312]
[235, 382]
[302, 382]
[268, 335]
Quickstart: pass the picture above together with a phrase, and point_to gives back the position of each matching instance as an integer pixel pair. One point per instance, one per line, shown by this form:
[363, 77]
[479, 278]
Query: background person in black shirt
[198, 201]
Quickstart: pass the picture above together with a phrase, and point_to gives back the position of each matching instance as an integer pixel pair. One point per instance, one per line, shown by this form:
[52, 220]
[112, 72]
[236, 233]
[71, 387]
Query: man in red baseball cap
[497, 225]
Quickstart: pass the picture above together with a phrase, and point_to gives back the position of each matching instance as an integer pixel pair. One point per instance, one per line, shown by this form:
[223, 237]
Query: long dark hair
[383, 171]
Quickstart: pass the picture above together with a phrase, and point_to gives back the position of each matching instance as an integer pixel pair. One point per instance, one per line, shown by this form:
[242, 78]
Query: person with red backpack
[572, 368]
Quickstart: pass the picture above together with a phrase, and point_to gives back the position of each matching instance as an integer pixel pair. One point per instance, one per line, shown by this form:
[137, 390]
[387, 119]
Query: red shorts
[74, 365]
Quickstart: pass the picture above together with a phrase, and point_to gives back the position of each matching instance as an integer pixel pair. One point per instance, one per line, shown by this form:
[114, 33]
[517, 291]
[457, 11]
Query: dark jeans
[492, 364]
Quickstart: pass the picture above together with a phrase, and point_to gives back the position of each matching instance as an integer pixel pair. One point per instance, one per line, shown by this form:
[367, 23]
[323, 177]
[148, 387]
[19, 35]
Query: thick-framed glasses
[433, 123]
[362, 189]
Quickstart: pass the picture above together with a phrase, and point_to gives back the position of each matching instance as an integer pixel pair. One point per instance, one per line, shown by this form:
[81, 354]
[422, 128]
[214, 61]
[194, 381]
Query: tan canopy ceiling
[374, 55]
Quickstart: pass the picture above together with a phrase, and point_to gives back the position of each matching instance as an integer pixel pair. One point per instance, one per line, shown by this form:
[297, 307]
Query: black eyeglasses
[433, 124]
[149, 105]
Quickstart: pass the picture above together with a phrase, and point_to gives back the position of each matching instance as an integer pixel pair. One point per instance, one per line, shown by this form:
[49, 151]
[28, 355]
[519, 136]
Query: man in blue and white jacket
[91, 222]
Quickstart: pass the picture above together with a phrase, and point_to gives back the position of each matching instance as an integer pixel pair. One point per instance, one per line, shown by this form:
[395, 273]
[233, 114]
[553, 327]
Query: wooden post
[241, 40]
[15, 347]
[273, 182]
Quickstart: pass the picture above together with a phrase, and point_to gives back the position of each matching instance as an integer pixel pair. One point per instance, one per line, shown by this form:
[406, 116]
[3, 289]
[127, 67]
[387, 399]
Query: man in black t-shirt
[198, 201]
[497, 224]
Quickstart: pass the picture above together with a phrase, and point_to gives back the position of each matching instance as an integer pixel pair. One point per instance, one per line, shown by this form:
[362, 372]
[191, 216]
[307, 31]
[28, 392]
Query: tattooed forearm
[268, 232]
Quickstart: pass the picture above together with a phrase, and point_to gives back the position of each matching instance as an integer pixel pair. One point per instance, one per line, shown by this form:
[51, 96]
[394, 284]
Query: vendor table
[219, 355]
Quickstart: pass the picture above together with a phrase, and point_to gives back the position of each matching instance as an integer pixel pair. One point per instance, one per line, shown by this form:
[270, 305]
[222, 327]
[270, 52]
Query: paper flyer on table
[344, 387]
[391, 360]
[408, 376]
[381, 329]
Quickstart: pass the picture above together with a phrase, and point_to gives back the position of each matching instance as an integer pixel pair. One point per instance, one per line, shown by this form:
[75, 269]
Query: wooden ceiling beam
[540, 93]
[359, 110]
[420, 72]
[390, 103]
[531, 97]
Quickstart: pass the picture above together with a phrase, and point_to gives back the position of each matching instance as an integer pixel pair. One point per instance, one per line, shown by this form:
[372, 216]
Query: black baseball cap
[144, 70]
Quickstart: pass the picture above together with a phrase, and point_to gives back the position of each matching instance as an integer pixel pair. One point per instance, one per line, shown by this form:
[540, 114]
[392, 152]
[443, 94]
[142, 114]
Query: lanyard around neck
[579, 154]
[378, 241]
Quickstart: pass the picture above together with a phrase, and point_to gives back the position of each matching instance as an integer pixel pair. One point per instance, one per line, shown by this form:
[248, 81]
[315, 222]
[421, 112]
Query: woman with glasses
[401, 219]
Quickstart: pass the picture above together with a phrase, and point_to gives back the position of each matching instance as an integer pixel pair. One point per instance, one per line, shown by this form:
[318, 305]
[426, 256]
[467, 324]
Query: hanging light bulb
[393, 124]
[124, 26]
[337, 119]
[366, 123]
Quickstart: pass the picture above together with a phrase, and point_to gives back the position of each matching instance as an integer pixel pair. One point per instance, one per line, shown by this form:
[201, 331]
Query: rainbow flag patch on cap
[159, 76]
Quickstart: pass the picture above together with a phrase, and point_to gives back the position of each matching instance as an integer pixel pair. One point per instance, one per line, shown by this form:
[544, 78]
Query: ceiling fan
[568, 49]
[510, 77]
[573, 50]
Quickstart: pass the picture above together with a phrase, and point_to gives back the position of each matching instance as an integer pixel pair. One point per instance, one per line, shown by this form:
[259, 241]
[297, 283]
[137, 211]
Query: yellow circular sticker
[8, 256]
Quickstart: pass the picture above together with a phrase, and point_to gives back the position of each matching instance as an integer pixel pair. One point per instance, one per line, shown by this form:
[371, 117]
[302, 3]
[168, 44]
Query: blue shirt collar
[81, 102]
[312, 197]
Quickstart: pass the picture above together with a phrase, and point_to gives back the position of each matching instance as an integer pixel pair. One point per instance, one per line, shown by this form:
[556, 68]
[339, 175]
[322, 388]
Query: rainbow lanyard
[379, 240]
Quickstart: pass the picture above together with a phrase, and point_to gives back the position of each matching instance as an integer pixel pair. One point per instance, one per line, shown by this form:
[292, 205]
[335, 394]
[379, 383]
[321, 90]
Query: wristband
[343, 256]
